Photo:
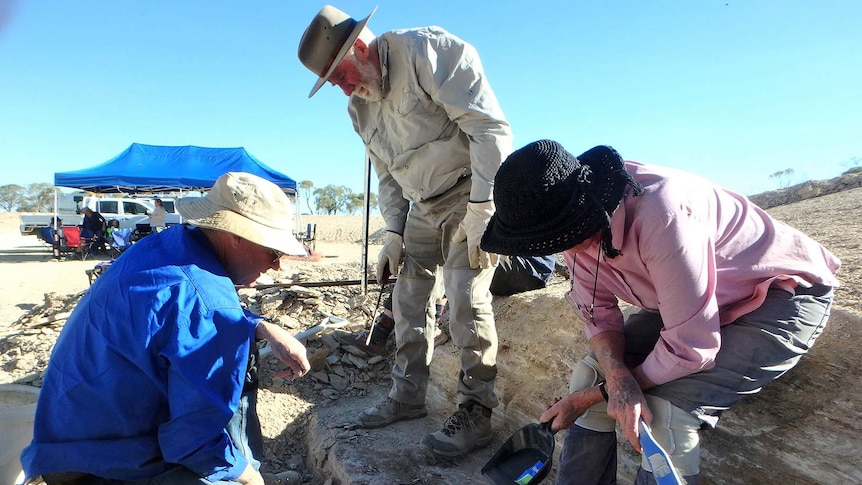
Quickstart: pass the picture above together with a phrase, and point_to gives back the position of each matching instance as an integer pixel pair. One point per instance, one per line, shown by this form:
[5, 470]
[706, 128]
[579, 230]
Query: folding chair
[46, 234]
[141, 231]
[121, 240]
[93, 274]
[76, 244]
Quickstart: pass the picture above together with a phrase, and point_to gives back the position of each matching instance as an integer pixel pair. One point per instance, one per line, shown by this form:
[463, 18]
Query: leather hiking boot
[441, 331]
[390, 411]
[383, 327]
[358, 340]
[464, 431]
[441, 335]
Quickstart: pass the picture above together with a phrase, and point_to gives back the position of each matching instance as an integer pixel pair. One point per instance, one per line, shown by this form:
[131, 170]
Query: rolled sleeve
[679, 255]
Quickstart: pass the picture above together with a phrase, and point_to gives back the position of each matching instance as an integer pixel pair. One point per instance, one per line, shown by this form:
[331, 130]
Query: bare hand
[286, 348]
[250, 476]
[627, 405]
[565, 411]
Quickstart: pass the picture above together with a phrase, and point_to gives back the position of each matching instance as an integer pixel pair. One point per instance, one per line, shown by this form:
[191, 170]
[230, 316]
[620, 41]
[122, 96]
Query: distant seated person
[94, 226]
[113, 225]
[55, 227]
[158, 216]
[513, 275]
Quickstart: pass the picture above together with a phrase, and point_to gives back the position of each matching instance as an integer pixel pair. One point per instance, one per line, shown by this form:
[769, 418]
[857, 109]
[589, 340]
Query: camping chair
[93, 274]
[120, 241]
[46, 234]
[76, 244]
[141, 230]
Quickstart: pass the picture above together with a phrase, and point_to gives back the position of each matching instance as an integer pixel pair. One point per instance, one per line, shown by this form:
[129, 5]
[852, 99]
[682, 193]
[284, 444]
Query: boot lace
[455, 423]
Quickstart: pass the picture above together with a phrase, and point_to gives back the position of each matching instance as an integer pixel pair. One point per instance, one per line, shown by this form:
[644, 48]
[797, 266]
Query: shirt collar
[618, 221]
[383, 53]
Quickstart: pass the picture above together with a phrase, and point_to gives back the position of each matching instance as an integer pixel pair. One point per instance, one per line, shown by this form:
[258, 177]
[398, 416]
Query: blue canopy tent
[151, 168]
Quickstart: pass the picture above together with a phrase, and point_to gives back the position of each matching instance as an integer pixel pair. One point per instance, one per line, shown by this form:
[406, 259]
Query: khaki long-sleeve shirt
[439, 121]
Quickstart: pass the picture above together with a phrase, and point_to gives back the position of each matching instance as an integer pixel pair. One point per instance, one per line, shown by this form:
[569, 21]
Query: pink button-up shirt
[699, 255]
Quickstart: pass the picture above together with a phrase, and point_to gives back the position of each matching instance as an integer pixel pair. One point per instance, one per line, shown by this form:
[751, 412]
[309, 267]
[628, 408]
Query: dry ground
[803, 429]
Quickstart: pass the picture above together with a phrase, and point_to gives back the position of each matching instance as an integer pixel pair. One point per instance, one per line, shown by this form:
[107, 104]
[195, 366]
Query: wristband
[603, 391]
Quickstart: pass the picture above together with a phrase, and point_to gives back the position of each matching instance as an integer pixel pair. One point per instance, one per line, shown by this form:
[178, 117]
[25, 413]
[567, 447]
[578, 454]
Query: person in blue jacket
[145, 382]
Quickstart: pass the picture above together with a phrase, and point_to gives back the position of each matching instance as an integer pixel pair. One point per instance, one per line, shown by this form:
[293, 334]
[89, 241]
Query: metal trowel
[331, 322]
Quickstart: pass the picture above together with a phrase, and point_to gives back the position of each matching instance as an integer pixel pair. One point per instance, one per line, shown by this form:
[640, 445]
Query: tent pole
[297, 215]
[56, 231]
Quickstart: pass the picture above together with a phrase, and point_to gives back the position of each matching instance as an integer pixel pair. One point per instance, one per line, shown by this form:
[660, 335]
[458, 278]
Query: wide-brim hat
[248, 206]
[549, 201]
[327, 40]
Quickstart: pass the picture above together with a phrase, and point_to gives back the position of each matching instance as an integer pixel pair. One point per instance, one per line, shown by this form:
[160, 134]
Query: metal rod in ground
[366, 217]
[374, 317]
[314, 284]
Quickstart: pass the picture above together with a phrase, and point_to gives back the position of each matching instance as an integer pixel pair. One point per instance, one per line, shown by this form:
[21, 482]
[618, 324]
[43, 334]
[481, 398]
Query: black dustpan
[525, 458]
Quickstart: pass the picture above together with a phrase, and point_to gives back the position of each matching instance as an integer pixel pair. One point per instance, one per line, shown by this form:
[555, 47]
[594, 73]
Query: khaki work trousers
[428, 246]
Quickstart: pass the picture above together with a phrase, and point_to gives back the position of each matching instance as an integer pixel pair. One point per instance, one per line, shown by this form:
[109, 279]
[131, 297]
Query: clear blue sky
[734, 90]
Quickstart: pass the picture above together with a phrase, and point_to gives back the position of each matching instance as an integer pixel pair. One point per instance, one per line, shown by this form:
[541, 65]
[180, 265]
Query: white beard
[369, 93]
[371, 89]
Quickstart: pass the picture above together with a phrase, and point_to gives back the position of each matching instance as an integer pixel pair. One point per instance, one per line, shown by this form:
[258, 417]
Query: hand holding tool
[659, 460]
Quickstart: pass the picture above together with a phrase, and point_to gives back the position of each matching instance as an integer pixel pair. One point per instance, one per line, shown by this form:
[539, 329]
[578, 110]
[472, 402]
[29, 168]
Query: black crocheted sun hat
[549, 201]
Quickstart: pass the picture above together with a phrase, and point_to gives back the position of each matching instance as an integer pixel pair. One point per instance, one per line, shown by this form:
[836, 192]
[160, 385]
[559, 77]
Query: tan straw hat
[327, 40]
[246, 205]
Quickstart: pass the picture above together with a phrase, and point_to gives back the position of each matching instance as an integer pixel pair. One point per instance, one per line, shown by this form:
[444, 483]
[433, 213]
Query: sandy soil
[41, 292]
[29, 272]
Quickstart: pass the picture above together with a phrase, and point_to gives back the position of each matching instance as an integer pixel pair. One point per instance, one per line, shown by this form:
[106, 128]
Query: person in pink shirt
[726, 299]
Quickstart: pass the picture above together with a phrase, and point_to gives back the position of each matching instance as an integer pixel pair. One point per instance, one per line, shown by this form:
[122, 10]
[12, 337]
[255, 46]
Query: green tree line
[333, 199]
[31, 198]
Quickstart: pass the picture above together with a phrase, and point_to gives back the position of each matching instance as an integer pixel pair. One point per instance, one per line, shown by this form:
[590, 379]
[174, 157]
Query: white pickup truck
[128, 211]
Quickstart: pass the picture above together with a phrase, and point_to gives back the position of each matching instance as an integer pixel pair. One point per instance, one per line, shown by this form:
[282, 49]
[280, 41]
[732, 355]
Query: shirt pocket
[408, 103]
[368, 134]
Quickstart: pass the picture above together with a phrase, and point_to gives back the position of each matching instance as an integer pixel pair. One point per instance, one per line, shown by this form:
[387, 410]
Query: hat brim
[525, 242]
[585, 214]
[200, 212]
[357, 29]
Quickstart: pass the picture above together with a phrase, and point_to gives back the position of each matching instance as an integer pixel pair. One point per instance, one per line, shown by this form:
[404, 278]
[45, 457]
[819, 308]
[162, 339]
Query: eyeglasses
[276, 255]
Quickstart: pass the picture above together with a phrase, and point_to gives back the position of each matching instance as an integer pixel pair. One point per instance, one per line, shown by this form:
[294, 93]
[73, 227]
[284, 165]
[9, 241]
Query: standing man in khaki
[435, 134]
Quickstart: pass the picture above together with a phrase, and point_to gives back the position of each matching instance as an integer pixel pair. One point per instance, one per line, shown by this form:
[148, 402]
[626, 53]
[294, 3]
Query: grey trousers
[755, 350]
[428, 246]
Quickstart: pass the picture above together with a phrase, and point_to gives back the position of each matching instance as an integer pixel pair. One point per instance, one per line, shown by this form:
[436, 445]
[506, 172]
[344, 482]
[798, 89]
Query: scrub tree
[11, 197]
